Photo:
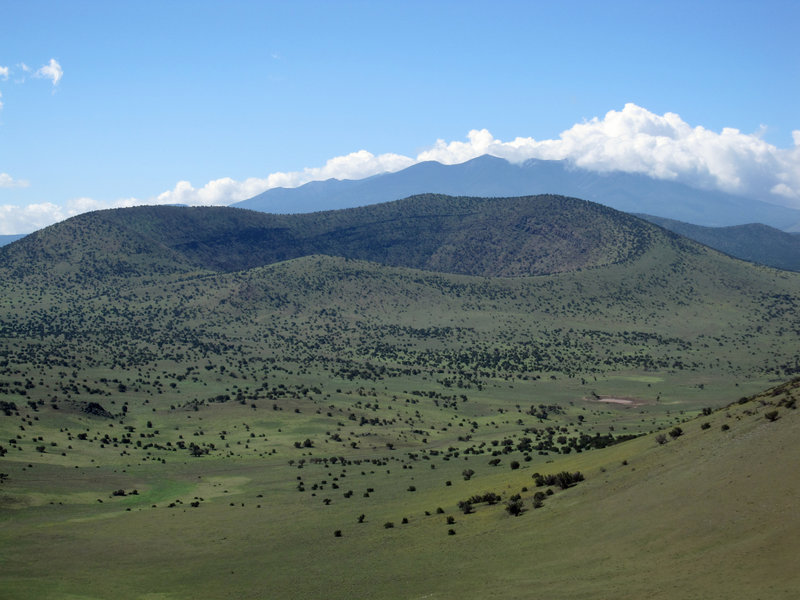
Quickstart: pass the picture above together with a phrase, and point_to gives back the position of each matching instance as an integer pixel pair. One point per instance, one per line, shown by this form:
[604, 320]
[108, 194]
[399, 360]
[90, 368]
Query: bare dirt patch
[626, 402]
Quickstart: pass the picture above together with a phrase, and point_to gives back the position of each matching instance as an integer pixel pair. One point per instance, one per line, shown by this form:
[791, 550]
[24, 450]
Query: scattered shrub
[514, 506]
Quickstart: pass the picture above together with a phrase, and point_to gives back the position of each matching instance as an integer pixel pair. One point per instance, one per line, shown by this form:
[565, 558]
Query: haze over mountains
[489, 176]
[753, 242]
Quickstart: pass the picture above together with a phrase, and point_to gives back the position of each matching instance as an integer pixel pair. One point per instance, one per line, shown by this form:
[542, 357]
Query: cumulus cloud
[25, 219]
[4, 73]
[51, 71]
[631, 140]
[636, 140]
[355, 165]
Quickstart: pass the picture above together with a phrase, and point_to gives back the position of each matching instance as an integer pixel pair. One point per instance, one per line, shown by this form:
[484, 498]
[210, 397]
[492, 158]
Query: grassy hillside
[170, 428]
[707, 514]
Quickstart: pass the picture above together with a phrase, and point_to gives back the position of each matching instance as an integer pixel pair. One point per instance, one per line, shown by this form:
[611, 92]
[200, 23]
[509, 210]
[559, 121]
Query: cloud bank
[631, 140]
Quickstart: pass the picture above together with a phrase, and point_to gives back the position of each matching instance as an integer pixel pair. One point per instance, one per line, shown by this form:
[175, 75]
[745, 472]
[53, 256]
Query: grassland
[175, 431]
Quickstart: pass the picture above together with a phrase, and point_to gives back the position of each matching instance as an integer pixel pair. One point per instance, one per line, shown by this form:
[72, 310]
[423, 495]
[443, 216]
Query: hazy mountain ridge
[753, 242]
[495, 177]
[7, 239]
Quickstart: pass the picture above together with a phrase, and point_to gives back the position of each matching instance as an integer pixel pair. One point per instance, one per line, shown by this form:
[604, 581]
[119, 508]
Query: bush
[705, 426]
[514, 506]
[388, 525]
[514, 464]
[676, 432]
[337, 533]
[562, 480]
[771, 415]
[661, 439]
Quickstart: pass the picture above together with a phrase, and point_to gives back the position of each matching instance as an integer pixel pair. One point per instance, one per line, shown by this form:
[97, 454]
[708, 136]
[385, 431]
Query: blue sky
[156, 101]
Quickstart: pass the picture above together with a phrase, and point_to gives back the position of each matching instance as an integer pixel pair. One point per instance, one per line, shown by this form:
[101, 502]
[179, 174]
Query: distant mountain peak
[491, 176]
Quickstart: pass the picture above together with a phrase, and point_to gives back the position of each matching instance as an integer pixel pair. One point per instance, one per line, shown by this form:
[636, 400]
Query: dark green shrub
[514, 506]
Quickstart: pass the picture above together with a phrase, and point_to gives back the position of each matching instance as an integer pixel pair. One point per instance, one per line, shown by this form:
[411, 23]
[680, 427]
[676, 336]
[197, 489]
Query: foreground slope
[708, 514]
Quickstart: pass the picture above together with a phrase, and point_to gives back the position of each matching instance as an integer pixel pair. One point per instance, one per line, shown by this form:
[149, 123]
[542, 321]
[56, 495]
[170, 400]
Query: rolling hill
[495, 177]
[472, 236]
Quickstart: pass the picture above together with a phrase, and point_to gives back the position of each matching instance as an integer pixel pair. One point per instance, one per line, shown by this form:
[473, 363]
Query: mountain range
[489, 176]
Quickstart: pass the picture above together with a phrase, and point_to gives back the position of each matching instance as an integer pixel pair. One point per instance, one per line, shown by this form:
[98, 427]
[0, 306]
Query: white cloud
[662, 146]
[4, 73]
[356, 165]
[24, 219]
[632, 139]
[6, 181]
[51, 71]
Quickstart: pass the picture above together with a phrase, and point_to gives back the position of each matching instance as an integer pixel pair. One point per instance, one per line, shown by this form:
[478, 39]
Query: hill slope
[474, 236]
[496, 177]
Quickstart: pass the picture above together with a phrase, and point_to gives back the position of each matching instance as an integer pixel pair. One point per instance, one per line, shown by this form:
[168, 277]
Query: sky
[106, 104]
